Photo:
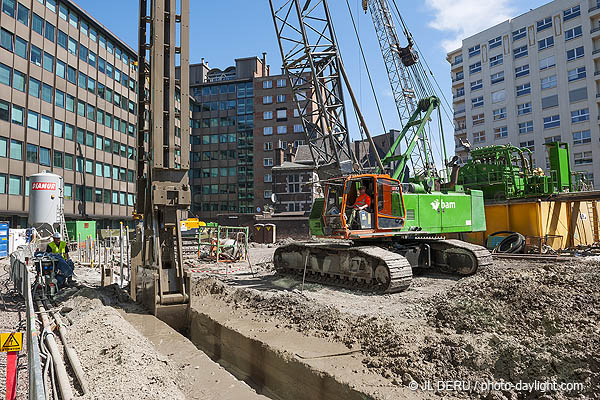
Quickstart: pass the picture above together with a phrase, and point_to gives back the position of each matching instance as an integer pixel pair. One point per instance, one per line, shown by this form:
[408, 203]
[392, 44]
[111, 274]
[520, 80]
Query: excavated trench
[269, 361]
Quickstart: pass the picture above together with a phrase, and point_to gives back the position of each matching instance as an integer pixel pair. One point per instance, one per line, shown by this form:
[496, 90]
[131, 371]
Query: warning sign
[11, 341]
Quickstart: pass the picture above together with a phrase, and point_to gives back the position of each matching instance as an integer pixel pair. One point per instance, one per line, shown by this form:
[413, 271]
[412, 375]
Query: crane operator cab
[364, 205]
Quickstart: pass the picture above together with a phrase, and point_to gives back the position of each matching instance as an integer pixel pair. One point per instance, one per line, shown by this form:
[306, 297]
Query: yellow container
[572, 221]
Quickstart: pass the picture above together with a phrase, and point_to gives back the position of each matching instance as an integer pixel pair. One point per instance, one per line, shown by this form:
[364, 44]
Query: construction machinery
[163, 192]
[507, 172]
[377, 248]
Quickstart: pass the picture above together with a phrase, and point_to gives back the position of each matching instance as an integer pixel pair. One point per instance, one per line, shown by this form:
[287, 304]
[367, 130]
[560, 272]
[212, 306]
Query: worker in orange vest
[363, 201]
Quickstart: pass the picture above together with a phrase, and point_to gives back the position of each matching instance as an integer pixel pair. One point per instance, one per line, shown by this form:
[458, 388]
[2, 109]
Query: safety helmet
[56, 235]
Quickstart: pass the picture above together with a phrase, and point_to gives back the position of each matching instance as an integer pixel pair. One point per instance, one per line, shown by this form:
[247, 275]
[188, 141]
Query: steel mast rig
[163, 142]
[406, 224]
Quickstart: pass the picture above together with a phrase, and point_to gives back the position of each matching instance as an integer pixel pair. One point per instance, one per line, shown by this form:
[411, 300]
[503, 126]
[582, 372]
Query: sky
[221, 31]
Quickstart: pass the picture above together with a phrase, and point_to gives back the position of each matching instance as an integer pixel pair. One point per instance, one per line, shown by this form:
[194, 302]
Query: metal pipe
[121, 253]
[59, 365]
[71, 354]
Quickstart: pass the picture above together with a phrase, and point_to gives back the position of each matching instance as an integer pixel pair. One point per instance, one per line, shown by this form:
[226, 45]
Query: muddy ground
[516, 321]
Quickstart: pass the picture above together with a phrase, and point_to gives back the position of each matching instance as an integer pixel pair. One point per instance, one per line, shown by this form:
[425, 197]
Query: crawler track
[368, 268]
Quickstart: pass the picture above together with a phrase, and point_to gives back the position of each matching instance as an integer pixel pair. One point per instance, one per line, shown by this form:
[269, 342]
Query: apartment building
[242, 115]
[68, 105]
[532, 80]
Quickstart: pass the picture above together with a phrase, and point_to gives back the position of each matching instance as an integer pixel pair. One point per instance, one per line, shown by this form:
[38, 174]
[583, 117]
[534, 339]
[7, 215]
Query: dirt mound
[112, 352]
[513, 324]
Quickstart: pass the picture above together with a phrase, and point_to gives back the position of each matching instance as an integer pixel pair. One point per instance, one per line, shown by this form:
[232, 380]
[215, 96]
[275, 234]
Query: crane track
[367, 268]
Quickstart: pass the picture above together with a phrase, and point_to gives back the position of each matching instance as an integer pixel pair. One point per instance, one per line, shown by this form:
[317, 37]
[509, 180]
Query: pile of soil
[507, 323]
[119, 363]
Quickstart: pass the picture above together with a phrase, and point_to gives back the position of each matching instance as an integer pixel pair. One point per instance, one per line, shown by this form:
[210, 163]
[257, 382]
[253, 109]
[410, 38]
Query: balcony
[594, 9]
[596, 51]
[458, 112]
[596, 29]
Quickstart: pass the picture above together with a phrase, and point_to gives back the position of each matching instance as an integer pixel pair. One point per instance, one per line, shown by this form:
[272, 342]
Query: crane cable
[364, 59]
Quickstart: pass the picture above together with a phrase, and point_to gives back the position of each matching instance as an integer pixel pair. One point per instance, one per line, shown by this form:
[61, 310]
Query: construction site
[414, 275]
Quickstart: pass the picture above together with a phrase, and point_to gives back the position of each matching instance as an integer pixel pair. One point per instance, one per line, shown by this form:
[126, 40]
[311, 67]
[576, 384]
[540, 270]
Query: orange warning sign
[11, 341]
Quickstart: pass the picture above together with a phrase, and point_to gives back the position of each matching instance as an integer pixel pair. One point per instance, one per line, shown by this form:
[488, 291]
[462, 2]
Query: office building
[242, 115]
[531, 80]
[68, 106]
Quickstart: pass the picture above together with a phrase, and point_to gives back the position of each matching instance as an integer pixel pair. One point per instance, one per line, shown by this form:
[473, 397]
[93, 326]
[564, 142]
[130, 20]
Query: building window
[477, 102]
[576, 74]
[497, 77]
[544, 24]
[33, 120]
[575, 53]
[45, 156]
[281, 83]
[500, 132]
[580, 115]
[8, 7]
[21, 47]
[14, 185]
[553, 139]
[5, 75]
[6, 40]
[478, 119]
[549, 82]
[523, 89]
[499, 114]
[582, 137]
[552, 121]
[498, 96]
[298, 128]
[268, 146]
[281, 129]
[17, 115]
[475, 50]
[474, 68]
[478, 84]
[571, 13]
[583, 158]
[525, 127]
[267, 99]
[281, 98]
[267, 194]
[268, 178]
[519, 34]
[267, 130]
[573, 33]
[547, 62]
[530, 144]
[36, 56]
[479, 137]
[31, 153]
[282, 114]
[23, 15]
[520, 52]
[496, 60]
[495, 42]
[37, 24]
[49, 31]
[267, 84]
[4, 116]
[267, 115]
[545, 43]
[16, 149]
[268, 162]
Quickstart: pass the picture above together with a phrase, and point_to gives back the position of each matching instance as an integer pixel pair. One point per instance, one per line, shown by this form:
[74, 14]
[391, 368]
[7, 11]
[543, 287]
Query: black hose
[512, 244]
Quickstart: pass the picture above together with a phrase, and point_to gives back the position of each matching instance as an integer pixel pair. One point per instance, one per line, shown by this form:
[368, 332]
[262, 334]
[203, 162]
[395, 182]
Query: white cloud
[463, 18]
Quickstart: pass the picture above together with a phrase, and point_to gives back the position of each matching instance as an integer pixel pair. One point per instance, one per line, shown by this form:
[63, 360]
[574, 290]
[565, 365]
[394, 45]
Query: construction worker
[59, 250]
[363, 201]
[57, 246]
